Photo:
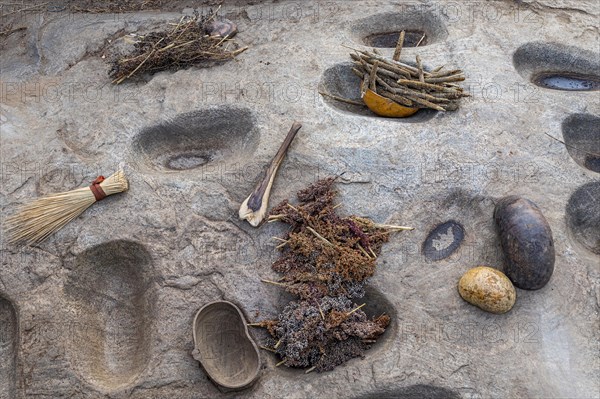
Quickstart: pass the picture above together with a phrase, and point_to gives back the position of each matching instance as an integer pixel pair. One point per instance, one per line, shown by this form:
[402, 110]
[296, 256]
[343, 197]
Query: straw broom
[36, 221]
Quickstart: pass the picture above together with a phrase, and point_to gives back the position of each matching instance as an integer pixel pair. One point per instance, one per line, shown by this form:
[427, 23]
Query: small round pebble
[487, 288]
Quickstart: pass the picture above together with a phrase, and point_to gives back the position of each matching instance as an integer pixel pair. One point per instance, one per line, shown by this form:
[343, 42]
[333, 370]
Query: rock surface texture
[104, 308]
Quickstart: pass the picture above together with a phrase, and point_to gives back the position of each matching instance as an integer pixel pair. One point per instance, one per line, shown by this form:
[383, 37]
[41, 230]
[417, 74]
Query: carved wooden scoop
[254, 208]
[223, 346]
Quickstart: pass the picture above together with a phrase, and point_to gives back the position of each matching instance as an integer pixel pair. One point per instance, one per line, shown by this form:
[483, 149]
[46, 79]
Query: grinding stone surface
[118, 324]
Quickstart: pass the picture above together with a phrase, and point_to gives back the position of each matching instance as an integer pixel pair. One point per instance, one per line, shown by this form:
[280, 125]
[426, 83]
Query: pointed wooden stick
[573, 147]
[446, 79]
[366, 54]
[372, 77]
[424, 85]
[342, 99]
[254, 208]
[420, 40]
[396, 56]
[420, 68]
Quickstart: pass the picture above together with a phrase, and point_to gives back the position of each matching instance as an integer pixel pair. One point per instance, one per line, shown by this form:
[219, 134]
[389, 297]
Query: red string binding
[99, 194]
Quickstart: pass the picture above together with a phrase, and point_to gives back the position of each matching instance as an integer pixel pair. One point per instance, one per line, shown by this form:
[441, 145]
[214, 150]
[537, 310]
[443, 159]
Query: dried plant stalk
[398, 51]
[174, 48]
[326, 262]
[420, 68]
[372, 76]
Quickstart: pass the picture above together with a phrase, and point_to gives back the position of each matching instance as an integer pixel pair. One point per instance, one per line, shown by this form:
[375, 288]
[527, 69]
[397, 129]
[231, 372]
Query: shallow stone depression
[420, 391]
[8, 349]
[340, 81]
[383, 30]
[583, 216]
[443, 240]
[390, 39]
[110, 337]
[191, 140]
[558, 67]
[460, 228]
[581, 134]
[376, 304]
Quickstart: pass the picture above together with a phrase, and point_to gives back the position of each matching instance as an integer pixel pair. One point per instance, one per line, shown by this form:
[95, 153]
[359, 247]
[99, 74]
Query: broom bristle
[36, 221]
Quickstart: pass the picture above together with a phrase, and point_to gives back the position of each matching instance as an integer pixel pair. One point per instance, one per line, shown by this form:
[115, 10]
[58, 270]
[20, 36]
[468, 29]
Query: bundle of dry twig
[408, 85]
[36, 221]
[185, 44]
[114, 6]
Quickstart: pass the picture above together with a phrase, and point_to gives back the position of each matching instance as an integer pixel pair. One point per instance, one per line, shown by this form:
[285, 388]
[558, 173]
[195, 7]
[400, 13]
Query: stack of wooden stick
[409, 86]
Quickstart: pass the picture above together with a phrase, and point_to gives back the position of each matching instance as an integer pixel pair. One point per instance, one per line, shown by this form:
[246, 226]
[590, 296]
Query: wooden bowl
[385, 107]
[224, 347]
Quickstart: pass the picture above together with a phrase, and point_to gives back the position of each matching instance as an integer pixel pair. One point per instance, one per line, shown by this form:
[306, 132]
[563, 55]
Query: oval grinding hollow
[443, 240]
[109, 289]
[224, 347]
[188, 141]
[343, 93]
[558, 67]
[581, 133]
[567, 81]
[8, 349]
[390, 39]
[583, 216]
[422, 27]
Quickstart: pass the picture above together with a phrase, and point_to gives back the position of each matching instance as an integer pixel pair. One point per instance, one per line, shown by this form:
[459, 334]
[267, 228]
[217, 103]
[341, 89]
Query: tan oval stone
[488, 289]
